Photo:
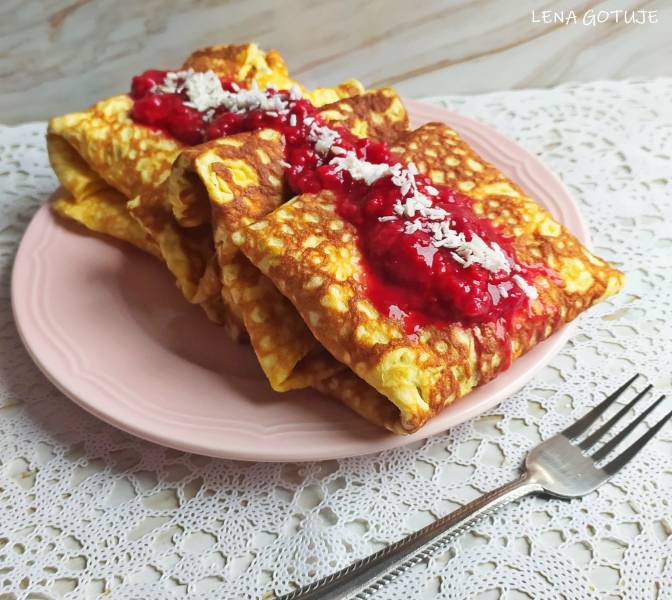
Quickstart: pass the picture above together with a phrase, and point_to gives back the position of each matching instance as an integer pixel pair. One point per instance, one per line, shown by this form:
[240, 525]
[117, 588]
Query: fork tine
[621, 435]
[587, 420]
[593, 438]
[620, 461]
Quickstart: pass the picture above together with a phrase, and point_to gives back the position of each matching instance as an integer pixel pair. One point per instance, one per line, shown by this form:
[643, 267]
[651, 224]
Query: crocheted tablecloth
[87, 510]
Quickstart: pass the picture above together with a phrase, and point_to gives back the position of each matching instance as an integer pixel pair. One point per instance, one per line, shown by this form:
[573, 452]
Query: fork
[563, 466]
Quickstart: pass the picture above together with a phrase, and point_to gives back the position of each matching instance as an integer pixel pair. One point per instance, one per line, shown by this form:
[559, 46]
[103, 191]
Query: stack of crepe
[285, 273]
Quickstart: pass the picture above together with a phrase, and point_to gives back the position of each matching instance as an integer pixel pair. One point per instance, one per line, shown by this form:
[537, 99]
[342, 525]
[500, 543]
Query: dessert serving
[392, 269]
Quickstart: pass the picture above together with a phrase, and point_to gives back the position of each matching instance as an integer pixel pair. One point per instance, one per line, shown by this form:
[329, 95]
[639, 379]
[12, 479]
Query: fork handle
[370, 574]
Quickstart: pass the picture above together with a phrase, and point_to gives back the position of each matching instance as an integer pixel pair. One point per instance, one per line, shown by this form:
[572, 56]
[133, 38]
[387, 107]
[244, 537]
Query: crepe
[102, 158]
[242, 63]
[247, 63]
[101, 150]
[244, 180]
[439, 152]
[287, 351]
[377, 114]
[234, 182]
[191, 253]
[312, 256]
[84, 197]
[243, 176]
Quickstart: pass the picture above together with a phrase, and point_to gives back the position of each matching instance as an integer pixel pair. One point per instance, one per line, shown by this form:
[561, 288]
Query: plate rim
[420, 111]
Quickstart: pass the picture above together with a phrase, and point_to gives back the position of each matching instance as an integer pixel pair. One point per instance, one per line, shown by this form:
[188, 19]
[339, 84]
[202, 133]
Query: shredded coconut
[427, 253]
[205, 93]
[529, 290]
[295, 93]
[494, 292]
[410, 227]
[323, 137]
[504, 288]
[360, 170]
[465, 252]
[173, 82]
[395, 312]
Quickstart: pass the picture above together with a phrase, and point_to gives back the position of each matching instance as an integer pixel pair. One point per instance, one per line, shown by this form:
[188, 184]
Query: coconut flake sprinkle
[529, 290]
[360, 170]
[205, 93]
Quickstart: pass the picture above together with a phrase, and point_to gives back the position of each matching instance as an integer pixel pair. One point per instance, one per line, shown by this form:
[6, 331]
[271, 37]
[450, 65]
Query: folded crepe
[377, 114]
[242, 63]
[247, 63]
[228, 184]
[103, 158]
[312, 256]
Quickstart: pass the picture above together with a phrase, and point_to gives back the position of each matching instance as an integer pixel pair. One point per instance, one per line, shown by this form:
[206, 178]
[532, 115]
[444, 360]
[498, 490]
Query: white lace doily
[88, 510]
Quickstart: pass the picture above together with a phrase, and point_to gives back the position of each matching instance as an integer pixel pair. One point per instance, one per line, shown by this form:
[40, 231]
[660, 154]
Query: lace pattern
[86, 509]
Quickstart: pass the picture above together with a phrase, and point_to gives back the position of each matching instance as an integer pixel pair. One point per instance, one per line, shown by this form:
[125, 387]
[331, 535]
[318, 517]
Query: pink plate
[106, 324]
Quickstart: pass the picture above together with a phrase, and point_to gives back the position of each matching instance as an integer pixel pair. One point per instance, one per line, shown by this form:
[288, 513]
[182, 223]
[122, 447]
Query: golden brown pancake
[376, 114]
[379, 112]
[102, 158]
[234, 182]
[105, 212]
[242, 63]
[102, 150]
[131, 157]
[189, 254]
[243, 176]
[311, 255]
[244, 180]
[191, 192]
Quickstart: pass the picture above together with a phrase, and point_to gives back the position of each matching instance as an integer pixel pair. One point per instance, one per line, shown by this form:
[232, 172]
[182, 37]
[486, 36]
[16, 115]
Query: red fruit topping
[256, 120]
[143, 84]
[375, 152]
[303, 109]
[329, 179]
[226, 124]
[186, 124]
[303, 156]
[153, 109]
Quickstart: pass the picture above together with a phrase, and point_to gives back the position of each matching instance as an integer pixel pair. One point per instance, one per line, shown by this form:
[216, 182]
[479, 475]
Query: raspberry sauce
[410, 279]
